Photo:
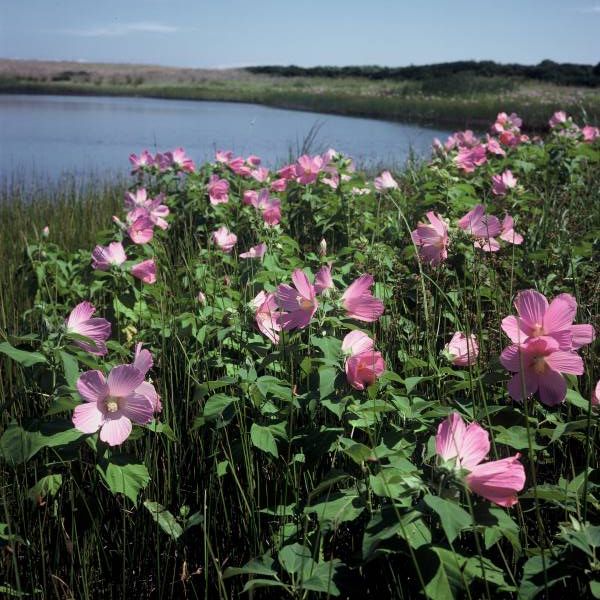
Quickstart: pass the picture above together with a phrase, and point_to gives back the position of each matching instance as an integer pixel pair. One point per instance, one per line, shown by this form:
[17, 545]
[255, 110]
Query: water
[49, 136]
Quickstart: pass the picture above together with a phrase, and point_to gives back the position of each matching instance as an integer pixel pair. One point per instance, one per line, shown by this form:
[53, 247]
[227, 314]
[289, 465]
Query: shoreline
[454, 112]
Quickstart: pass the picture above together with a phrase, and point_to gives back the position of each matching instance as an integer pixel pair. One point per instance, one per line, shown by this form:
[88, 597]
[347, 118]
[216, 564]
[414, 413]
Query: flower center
[111, 404]
[305, 303]
[537, 330]
[539, 365]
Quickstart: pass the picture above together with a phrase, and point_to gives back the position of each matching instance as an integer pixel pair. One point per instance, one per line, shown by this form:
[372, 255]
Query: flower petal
[87, 418]
[115, 431]
[122, 380]
[92, 386]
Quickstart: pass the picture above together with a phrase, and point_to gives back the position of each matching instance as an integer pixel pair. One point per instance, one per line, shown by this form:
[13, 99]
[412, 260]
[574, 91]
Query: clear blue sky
[230, 33]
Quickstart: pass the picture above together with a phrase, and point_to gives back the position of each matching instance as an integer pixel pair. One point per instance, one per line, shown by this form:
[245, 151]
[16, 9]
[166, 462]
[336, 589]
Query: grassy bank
[465, 102]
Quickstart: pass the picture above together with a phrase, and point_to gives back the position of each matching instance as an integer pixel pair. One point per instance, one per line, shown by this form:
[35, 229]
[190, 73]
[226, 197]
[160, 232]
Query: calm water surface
[52, 135]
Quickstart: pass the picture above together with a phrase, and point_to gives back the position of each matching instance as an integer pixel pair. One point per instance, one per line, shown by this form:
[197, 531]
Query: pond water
[50, 136]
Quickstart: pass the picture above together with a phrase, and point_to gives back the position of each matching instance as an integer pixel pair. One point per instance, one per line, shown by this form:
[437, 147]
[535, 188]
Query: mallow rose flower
[468, 159]
[538, 365]
[557, 118]
[590, 133]
[299, 303]
[145, 271]
[307, 168]
[363, 365]
[179, 159]
[503, 182]
[140, 226]
[143, 362]
[431, 239]
[359, 302]
[467, 447]
[80, 322]
[153, 207]
[493, 147]
[508, 234]
[218, 190]
[223, 238]
[104, 257]
[484, 228]
[267, 315]
[385, 182]
[145, 159]
[323, 280]
[596, 395]
[112, 404]
[462, 350]
[255, 251]
[538, 318]
[223, 156]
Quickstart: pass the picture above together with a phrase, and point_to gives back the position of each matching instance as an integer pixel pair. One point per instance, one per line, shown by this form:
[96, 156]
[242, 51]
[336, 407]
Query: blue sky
[232, 33]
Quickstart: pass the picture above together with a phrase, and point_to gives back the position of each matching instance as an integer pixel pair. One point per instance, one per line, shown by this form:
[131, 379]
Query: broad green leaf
[164, 518]
[27, 359]
[70, 368]
[453, 518]
[124, 475]
[320, 578]
[336, 509]
[294, 558]
[46, 486]
[263, 439]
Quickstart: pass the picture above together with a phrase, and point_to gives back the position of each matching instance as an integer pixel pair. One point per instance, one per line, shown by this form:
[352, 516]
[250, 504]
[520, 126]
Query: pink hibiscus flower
[218, 190]
[267, 315]
[223, 238]
[307, 168]
[596, 395]
[431, 239]
[508, 234]
[97, 330]
[323, 280]
[145, 271]
[493, 147]
[363, 365]
[497, 481]
[298, 303]
[560, 116]
[385, 182]
[537, 366]
[590, 133]
[104, 257]
[145, 159]
[111, 405]
[484, 228]
[143, 362]
[503, 182]
[180, 160]
[359, 302]
[255, 251]
[461, 350]
[469, 158]
[140, 226]
[536, 318]
[223, 156]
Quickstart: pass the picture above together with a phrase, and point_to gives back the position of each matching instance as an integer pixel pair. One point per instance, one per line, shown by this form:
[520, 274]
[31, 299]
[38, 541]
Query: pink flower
[299, 304]
[431, 239]
[484, 228]
[139, 162]
[201, 297]
[253, 160]
[363, 365]
[462, 350]
[323, 280]
[143, 362]
[46, 231]
[217, 190]
[178, 158]
[141, 227]
[136, 199]
[111, 404]
[269, 207]
[385, 182]
[279, 185]
[493, 147]
[80, 322]
[224, 239]
[250, 197]
[508, 234]
[223, 156]
[359, 302]
[332, 177]
[590, 133]
[557, 118]
[502, 183]
[103, 257]
[154, 208]
[239, 167]
[267, 315]
[537, 366]
[596, 395]
[469, 158]
[307, 168]
[261, 174]
[146, 271]
[507, 123]
[255, 251]
[287, 172]
[497, 481]
[537, 319]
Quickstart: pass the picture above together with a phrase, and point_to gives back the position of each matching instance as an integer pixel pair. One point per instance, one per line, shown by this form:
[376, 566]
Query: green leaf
[338, 508]
[447, 580]
[70, 368]
[256, 566]
[27, 359]
[320, 578]
[164, 518]
[453, 518]
[46, 486]
[294, 558]
[327, 377]
[124, 475]
[263, 439]
[218, 406]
